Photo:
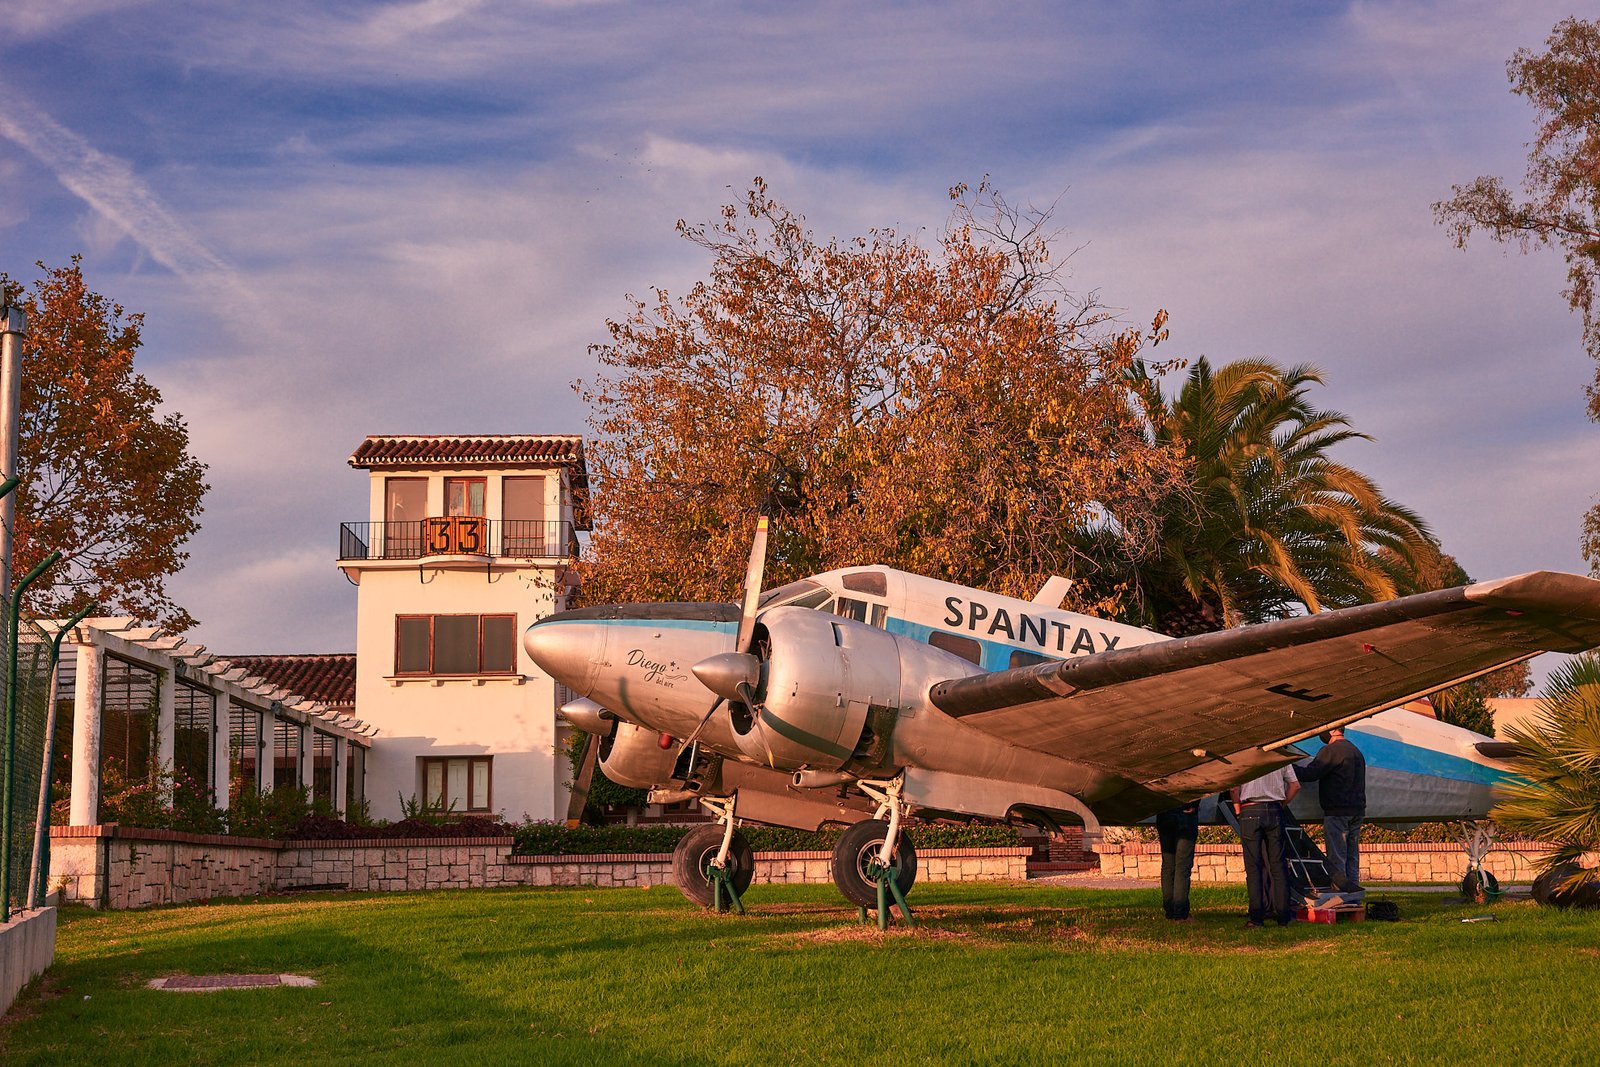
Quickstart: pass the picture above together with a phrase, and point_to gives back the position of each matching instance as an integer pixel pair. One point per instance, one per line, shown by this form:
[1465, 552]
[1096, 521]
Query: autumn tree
[1561, 186]
[950, 410]
[106, 479]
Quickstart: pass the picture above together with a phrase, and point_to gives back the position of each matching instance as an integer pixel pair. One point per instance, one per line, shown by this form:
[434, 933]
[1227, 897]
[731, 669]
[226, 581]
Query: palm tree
[1270, 524]
[1558, 799]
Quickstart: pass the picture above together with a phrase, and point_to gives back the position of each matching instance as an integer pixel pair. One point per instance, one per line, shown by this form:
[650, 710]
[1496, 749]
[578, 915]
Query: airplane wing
[1190, 716]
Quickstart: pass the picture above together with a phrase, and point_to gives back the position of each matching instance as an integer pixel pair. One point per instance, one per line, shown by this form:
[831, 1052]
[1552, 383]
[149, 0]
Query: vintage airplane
[866, 694]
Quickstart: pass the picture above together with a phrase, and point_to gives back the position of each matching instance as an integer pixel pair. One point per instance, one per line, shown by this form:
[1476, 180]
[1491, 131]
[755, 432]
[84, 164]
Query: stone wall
[116, 867]
[27, 947]
[108, 866]
[1405, 863]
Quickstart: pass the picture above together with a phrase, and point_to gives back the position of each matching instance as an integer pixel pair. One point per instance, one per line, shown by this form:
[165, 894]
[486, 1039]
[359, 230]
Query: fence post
[14, 617]
[40, 867]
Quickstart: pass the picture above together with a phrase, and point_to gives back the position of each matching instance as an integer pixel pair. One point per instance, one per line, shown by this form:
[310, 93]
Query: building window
[286, 754]
[457, 784]
[465, 496]
[355, 778]
[321, 767]
[244, 751]
[455, 644]
[131, 698]
[525, 533]
[405, 506]
[193, 730]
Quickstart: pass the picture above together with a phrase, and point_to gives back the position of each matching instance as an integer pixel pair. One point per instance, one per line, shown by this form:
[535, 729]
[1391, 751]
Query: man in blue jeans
[1259, 805]
[1177, 829]
[1342, 770]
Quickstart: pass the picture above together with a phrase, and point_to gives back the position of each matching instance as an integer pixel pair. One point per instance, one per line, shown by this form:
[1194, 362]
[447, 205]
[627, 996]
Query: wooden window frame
[424, 762]
[468, 480]
[480, 672]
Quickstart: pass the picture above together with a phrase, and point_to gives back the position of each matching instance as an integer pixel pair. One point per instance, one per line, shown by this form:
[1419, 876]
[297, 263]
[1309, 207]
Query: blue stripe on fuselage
[1386, 753]
[706, 625]
[995, 655]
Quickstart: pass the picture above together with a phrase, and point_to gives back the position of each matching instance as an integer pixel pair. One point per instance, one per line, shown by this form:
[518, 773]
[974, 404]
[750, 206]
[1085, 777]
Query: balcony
[457, 535]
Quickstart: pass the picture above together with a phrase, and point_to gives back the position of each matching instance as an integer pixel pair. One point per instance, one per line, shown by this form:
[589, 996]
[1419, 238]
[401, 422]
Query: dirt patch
[205, 983]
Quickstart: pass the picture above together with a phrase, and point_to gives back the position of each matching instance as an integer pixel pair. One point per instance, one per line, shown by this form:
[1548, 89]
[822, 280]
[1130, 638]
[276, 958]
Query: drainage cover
[200, 983]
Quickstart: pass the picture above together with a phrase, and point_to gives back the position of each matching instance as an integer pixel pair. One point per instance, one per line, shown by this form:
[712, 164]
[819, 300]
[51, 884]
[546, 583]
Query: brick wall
[116, 867]
[1406, 863]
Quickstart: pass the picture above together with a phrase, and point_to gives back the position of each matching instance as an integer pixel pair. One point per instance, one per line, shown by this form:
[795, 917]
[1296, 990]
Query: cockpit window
[801, 594]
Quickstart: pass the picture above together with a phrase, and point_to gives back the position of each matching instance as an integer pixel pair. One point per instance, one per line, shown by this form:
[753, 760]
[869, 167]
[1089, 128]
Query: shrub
[166, 801]
[554, 839]
[268, 813]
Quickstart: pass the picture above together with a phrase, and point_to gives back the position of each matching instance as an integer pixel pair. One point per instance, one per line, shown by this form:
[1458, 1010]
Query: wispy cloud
[110, 187]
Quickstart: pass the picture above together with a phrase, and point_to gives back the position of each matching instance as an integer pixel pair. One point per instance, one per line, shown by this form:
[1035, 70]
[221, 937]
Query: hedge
[554, 839]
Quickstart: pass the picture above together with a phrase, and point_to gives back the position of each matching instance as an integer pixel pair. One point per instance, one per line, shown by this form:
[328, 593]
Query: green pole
[11, 728]
[41, 824]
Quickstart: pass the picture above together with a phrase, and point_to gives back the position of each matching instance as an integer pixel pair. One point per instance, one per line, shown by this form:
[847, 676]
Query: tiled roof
[474, 449]
[327, 679]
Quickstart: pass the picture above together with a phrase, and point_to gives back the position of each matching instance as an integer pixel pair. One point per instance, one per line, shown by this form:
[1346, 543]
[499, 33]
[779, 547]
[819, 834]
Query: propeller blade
[752, 585]
[695, 733]
[761, 731]
[580, 782]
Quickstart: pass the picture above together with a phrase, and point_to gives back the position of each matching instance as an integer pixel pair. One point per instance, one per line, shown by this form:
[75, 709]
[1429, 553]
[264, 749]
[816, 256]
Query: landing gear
[874, 863]
[1478, 885]
[713, 865]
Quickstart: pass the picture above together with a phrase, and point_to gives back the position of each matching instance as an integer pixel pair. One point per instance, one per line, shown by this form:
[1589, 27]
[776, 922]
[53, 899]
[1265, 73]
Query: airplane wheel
[692, 859]
[1480, 887]
[858, 846]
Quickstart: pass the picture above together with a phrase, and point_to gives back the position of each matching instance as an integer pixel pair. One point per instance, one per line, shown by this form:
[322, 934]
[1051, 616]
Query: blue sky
[344, 218]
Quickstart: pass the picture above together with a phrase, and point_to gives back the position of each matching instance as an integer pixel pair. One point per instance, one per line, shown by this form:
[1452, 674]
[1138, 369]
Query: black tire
[858, 846]
[1548, 889]
[1480, 887]
[692, 859]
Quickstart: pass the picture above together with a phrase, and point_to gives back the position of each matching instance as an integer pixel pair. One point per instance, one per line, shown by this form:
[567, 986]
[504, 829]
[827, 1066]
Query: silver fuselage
[863, 646]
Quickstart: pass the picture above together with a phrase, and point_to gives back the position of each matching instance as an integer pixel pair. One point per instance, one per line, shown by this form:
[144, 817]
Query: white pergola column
[266, 749]
[166, 717]
[341, 752]
[222, 708]
[307, 771]
[86, 721]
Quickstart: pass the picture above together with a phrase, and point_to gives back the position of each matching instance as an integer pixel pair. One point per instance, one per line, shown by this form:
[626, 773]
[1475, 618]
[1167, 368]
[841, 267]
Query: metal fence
[457, 535]
[24, 754]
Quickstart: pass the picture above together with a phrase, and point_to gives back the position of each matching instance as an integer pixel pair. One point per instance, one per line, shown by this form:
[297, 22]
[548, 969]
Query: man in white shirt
[1259, 806]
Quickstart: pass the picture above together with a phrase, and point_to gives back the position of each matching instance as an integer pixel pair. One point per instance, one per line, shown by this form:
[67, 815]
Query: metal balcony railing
[457, 535]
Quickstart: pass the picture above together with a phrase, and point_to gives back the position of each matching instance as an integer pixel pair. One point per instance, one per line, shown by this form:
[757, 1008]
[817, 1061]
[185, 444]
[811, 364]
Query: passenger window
[1021, 658]
[880, 615]
[965, 647]
[852, 609]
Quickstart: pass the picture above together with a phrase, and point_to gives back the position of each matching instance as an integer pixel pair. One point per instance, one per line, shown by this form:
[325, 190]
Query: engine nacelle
[633, 756]
[820, 674]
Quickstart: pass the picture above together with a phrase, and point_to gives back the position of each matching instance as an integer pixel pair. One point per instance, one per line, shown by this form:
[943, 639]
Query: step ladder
[1308, 867]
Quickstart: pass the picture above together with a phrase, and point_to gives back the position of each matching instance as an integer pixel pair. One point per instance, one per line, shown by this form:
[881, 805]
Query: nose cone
[731, 675]
[566, 648]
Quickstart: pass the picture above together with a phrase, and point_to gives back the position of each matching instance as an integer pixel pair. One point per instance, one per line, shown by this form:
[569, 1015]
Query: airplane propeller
[736, 675]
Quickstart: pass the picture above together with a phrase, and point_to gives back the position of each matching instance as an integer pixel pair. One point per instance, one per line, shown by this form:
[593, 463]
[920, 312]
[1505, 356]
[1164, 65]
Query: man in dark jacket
[1342, 772]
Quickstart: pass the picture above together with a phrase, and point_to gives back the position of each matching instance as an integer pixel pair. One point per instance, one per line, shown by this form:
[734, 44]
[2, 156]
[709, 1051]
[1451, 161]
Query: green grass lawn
[1012, 974]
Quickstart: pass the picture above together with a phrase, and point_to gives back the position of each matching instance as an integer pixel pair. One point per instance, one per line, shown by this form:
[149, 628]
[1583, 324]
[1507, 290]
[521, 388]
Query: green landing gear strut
[723, 889]
[888, 882]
